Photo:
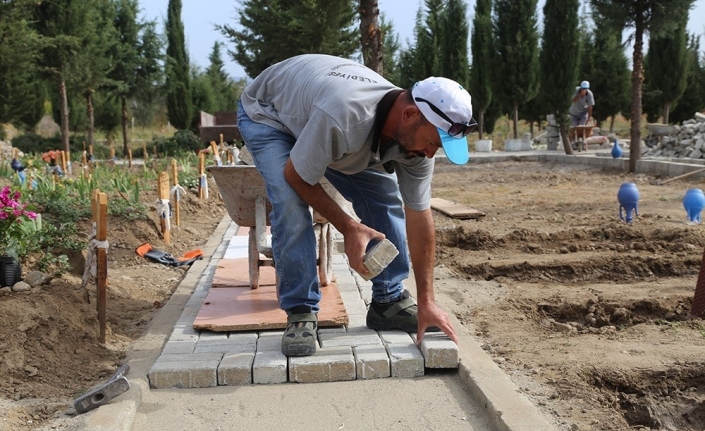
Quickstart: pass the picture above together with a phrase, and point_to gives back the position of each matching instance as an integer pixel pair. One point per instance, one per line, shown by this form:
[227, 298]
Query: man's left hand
[431, 314]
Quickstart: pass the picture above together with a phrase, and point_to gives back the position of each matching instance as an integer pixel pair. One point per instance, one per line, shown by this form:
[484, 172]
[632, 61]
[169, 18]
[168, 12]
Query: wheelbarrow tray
[657, 129]
[240, 186]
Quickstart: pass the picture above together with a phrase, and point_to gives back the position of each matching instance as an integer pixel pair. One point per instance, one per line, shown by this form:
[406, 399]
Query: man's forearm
[318, 199]
[421, 237]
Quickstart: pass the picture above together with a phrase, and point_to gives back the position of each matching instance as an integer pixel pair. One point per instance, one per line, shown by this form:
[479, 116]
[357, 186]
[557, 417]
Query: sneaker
[401, 315]
[300, 338]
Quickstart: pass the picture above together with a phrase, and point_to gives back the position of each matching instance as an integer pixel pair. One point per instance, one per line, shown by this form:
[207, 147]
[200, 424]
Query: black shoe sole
[299, 350]
[387, 325]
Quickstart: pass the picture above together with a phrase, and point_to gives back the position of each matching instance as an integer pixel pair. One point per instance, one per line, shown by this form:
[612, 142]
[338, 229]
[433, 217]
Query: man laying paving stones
[315, 116]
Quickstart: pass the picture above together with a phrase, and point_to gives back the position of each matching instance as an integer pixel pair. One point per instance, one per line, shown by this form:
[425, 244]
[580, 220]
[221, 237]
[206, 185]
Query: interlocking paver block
[326, 365]
[357, 323]
[269, 367]
[184, 374]
[371, 362]
[180, 346]
[439, 351]
[395, 337]
[240, 343]
[236, 369]
[349, 339]
[406, 360]
[269, 344]
[210, 335]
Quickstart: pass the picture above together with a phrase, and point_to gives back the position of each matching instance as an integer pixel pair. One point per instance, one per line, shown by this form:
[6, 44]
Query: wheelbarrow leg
[253, 259]
[325, 250]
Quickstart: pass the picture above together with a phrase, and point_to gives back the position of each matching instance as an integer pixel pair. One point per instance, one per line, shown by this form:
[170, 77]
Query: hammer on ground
[117, 384]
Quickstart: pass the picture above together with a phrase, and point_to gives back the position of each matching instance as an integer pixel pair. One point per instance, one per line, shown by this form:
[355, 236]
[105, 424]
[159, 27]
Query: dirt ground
[49, 348]
[586, 314]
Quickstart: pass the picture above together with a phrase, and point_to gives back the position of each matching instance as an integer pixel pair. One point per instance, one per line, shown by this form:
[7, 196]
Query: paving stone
[326, 365]
[210, 335]
[371, 362]
[231, 344]
[395, 337]
[357, 307]
[180, 346]
[269, 367]
[349, 339]
[438, 350]
[406, 360]
[332, 330]
[358, 323]
[269, 344]
[236, 369]
[184, 374]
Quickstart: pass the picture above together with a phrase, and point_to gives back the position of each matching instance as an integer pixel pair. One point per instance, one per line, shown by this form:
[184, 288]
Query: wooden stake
[201, 170]
[175, 183]
[163, 192]
[129, 157]
[145, 155]
[100, 217]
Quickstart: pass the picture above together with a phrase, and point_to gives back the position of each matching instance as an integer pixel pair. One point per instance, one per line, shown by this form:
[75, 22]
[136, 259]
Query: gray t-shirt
[580, 106]
[329, 104]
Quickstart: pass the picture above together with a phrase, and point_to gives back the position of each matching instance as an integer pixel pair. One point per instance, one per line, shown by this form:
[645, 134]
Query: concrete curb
[119, 414]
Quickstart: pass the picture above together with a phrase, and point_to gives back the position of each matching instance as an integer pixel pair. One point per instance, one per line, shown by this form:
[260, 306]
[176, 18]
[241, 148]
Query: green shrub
[183, 140]
[34, 143]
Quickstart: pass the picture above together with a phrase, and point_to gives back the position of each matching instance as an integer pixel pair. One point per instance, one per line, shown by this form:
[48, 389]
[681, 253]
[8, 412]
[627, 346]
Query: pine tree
[178, 86]
[222, 85]
[136, 55]
[657, 17]
[516, 47]
[560, 54]
[481, 71]
[666, 67]
[371, 36]
[274, 30]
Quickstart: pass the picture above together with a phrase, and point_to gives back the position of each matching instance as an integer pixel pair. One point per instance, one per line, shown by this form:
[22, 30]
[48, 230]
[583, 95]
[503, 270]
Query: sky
[200, 16]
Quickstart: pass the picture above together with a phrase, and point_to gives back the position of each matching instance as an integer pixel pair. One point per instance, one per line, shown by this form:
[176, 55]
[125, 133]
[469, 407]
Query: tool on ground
[116, 385]
[378, 257]
[660, 183]
[158, 256]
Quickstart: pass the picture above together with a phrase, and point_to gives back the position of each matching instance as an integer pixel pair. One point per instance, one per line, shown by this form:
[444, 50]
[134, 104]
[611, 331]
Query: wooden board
[245, 309]
[455, 210]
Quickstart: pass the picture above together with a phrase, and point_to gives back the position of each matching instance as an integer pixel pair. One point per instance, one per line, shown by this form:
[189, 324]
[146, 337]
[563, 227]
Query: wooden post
[175, 183]
[100, 217]
[112, 154]
[163, 192]
[145, 155]
[129, 157]
[201, 170]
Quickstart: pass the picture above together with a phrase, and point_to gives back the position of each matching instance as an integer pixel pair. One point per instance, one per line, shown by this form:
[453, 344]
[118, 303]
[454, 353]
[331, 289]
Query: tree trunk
[564, 135]
[515, 118]
[125, 145]
[481, 124]
[612, 124]
[637, 78]
[371, 35]
[64, 117]
[91, 119]
[666, 111]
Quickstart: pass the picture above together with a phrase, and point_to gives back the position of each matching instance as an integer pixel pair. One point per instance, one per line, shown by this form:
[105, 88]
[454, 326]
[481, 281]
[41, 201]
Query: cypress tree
[693, 99]
[178, 86]
[560, 54]
[481, 71]
[516, 47]
[454, 58]
[666, 66]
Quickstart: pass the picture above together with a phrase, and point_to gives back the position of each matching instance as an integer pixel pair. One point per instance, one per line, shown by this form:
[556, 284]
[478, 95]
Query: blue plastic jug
[694, 202]
[628, 197]
[616, 150]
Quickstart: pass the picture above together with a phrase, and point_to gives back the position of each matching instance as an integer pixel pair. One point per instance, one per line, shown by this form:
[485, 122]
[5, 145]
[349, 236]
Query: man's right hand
[356, 237]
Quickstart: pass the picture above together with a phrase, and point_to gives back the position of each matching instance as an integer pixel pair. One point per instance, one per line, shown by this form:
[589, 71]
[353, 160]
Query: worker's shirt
[580, 106]
[329, 105]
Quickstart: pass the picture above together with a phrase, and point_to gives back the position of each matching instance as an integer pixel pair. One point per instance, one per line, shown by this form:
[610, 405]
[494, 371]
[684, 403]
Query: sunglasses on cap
[456, 130]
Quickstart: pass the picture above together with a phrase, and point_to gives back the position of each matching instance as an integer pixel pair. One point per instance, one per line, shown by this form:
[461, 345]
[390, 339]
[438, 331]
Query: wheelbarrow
[245, 197]
[656, 132]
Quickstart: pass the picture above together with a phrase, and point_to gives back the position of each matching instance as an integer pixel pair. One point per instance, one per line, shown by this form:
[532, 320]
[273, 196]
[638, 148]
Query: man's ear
[410, 114]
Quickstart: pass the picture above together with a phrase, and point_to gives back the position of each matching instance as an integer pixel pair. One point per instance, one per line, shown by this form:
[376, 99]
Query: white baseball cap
[585, 84]
[448, 106]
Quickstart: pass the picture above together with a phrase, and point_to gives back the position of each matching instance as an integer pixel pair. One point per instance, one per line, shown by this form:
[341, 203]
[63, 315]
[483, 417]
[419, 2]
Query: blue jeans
[376, 201]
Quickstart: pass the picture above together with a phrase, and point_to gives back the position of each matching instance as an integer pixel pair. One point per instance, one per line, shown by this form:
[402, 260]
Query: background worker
[581, 108]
